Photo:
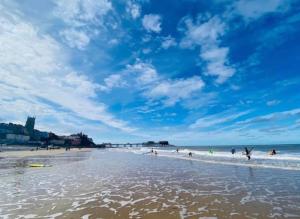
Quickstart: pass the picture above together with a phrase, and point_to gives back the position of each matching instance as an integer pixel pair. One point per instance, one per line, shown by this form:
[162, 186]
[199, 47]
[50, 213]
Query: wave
[239, 155]
[259, 159]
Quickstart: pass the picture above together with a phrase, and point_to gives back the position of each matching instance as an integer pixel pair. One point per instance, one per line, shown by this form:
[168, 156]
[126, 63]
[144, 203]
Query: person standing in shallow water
[190, 154]
[273, 152]
[248, 153]
[232, 151]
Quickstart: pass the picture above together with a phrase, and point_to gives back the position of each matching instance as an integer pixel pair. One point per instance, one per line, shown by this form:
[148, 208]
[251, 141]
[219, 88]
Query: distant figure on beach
[155, 153]
[273, 152]
[233, 151]
[190, 154]
[177, 150]
[152, 150]
[248, 152]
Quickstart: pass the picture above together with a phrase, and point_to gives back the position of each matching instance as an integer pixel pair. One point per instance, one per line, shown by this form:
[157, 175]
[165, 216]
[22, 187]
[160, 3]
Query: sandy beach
[114, 183]
[33, 153]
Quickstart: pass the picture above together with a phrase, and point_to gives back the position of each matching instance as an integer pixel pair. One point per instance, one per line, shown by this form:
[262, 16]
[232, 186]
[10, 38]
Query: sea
[287, 156]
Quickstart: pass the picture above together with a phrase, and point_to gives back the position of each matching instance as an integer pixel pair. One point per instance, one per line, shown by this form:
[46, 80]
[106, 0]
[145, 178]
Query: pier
[144, 144]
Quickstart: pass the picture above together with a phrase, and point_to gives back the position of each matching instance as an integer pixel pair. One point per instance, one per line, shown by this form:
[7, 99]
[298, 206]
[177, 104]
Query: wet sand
[40, 152]
[110, 184]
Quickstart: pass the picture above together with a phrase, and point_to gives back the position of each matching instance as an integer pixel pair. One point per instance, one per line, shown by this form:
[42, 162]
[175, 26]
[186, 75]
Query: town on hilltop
[16, 134]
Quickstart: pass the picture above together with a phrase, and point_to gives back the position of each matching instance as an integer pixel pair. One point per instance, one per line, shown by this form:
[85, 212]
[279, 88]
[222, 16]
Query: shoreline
[40, 152]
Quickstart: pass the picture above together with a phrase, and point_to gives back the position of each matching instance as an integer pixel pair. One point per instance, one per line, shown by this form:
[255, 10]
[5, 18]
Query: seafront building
[26, 135]
[16, 134]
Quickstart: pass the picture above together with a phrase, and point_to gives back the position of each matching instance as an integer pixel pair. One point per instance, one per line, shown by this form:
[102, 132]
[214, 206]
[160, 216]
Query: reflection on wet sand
[110, 184]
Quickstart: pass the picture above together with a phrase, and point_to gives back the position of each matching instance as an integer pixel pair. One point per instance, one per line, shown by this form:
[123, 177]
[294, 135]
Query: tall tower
[29, 126]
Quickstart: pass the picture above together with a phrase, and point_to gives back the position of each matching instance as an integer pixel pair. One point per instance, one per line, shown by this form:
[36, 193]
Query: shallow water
[121, 184]
[287, 157]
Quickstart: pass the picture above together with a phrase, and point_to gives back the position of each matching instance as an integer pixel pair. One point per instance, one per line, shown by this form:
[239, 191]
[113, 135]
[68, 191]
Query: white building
[17, 138]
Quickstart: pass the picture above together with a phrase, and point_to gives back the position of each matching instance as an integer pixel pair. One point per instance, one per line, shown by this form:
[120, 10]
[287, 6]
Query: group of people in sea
[247, 152]
[152, 151]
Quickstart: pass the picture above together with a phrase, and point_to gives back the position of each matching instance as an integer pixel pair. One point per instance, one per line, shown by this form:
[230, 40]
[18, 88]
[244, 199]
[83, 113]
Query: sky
[193, 72]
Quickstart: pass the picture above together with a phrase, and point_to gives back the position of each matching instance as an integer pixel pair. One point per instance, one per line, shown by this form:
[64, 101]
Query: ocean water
[133, 183]
[287, 157]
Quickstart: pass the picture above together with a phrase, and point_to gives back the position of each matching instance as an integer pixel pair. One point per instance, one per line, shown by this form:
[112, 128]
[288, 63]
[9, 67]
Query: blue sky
[191, 72]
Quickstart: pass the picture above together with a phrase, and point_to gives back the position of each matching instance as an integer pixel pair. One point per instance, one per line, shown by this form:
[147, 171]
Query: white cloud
[256, 8]
[200, 101]
[203, 33]
[146, 38]
[157, 88]
[175, 90]
[146, 50]
[212, 120]
[207, 34]
[235, 87]
[148, 82]
[270, 117]
[217, 63]
[113, 81]
[273, 102]
[168, 42]
[78, 13]
[146, 73]
[152, 22]
[35, 68]
[249, 136]
[79, 16]
[134, 9]
[75, 38]
[113, 42]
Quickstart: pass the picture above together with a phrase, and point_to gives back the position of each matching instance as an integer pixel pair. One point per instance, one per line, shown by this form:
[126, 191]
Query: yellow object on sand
[37, 165]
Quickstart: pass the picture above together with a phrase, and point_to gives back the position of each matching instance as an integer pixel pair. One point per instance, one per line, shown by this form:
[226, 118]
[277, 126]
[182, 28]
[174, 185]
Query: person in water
[152, 150]
[273, 152]
[155, 153]
[211, 151]
[248, 153]
[177, 150]
[190, 154]
[233, 151]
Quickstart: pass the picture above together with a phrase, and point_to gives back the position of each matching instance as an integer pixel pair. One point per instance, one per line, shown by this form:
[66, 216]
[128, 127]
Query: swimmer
[152, 150]
[155, 153]
[248, 153]
[190, 154]
[177, 150]
[233, 151]
[273, 152]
